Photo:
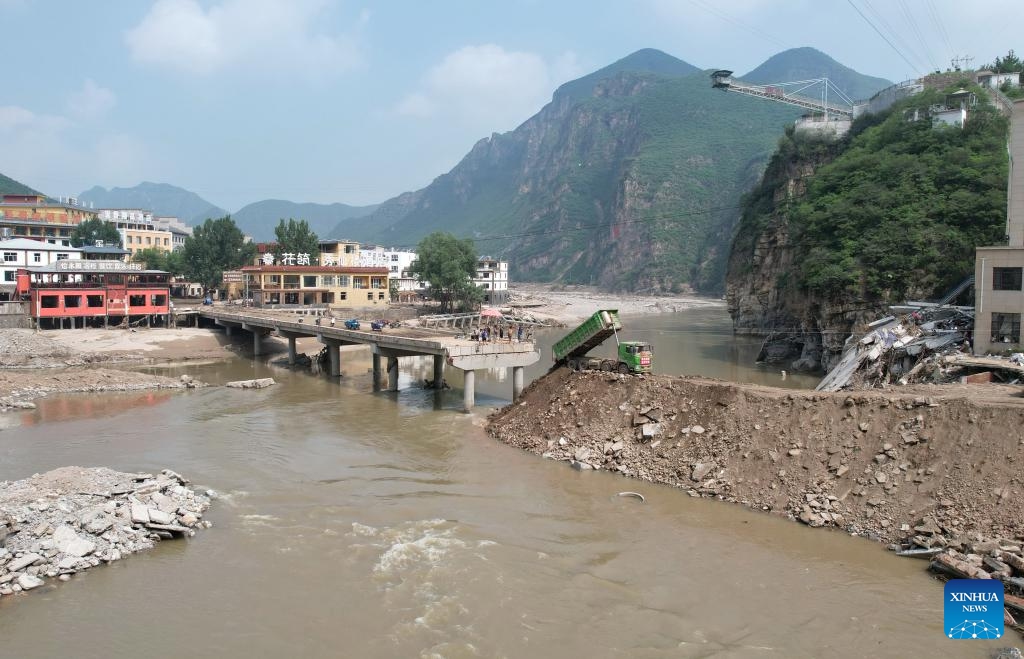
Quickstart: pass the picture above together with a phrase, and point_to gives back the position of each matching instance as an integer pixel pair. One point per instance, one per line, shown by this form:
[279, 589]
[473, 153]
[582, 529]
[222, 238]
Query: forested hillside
[629, 179]
[837, 232]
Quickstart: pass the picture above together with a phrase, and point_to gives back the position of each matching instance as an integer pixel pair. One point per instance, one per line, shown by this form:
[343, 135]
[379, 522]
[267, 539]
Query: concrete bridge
[390, 344]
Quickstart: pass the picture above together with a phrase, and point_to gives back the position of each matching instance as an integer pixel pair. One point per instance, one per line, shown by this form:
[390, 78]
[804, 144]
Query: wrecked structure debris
[929, 345]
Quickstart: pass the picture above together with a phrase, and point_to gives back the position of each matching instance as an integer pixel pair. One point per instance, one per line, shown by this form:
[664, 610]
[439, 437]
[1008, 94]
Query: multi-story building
[137, 228]
[397, 261]
[35, 217]
[304, 285]
[179, 230]
[999, 270]
[24, 253]
[339, 252]
[492, 277]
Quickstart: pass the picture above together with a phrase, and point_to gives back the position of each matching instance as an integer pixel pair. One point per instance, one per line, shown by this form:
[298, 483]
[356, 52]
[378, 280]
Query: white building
[123, 217]
[397, 261]
[179, 230]
[24, 253]
[492, 276]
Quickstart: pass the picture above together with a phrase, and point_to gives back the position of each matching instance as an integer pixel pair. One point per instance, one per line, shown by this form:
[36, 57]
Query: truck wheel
[607, 365]
[623, 368]
[574, 365]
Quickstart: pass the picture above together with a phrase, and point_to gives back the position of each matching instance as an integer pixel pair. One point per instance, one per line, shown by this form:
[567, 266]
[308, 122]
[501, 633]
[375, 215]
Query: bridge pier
[468, 391]
[517, 383]
[392, 373]
[257, 344]
[438, 371]
[292, 356]
[334, 357]
[376, 371]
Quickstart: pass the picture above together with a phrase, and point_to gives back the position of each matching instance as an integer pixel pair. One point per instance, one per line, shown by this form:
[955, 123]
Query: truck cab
[636, 355]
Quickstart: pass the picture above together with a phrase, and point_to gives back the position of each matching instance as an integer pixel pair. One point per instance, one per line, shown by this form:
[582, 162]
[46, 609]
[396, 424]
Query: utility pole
[961, 59]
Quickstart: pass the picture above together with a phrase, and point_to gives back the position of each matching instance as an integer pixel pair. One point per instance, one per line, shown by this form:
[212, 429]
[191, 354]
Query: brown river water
[359, 525]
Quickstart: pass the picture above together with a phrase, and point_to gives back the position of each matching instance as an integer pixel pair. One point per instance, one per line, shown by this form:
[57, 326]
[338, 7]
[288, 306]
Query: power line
[738, 23]
[884, 38]
[909, 15]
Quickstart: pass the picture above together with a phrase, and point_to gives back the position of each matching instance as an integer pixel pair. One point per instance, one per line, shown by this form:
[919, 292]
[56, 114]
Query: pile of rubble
[927, 346]
[957, 556]
[73, 519]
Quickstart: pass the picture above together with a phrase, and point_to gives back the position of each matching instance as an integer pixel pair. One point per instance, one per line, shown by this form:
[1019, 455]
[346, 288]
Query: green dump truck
[572, 349]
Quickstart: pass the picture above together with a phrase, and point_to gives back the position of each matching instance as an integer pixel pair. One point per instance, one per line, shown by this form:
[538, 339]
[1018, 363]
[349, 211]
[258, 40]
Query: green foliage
[9, 186]
[158, 259]
[215, 246]
[1009, 64]
[296, 238]
[449, 264]
[89, 231]
[898, 211]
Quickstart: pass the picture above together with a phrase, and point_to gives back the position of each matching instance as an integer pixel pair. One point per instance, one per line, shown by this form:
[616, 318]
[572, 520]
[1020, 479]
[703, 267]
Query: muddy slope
[874, 463]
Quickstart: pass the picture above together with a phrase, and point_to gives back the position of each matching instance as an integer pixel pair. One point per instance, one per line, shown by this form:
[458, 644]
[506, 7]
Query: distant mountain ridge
[161, 198]
[807, 64]
[259, 219]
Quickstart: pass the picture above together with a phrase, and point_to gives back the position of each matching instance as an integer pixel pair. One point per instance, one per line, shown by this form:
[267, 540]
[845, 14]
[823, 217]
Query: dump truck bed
[591, 333]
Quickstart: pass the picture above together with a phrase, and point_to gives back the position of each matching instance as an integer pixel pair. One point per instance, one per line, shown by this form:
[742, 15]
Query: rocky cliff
[628, 179]
[836, 232]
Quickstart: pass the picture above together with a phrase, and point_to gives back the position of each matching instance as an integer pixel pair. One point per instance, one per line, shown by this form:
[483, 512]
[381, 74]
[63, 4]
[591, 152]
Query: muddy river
[360, 525]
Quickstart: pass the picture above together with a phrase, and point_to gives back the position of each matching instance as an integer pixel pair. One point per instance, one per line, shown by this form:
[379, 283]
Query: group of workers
[486, 333]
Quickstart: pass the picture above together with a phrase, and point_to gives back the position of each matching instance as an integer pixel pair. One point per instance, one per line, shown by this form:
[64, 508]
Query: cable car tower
[792, 93]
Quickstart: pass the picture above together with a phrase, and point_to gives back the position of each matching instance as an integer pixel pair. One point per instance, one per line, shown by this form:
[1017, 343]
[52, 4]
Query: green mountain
[259, 219]
[9, 186]
[836, 232]
[630, 178]
[161, 198]
[807, 64]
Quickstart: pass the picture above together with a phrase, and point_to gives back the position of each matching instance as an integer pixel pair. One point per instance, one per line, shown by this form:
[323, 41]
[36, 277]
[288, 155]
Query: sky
[356, 102]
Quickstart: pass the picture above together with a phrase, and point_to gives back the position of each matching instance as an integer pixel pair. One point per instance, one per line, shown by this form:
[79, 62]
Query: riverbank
[567, 305]
[37, 364]
[931, 466]
[71, 519]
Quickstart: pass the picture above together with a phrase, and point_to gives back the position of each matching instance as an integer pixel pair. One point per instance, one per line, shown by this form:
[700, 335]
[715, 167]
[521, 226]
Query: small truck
[571, 350]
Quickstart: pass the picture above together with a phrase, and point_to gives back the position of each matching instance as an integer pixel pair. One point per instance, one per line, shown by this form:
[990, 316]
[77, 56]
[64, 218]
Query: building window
[148, 242]
[343, 295]
[8, 275]
[380, 296]
[1006, 279]
[10, 257]
[369, 296]
[394, 257]
[62, 257]
[309, 281]
[165, 242]
[344, 281]
[37, 257]
[1006, 327]
[328, 281]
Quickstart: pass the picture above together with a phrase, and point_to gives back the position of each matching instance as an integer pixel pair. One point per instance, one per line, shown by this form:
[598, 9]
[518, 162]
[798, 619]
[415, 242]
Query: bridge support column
[517, 383]
[291, 351]
[392, 373]
[257, 343]
[468, 390]
[376, 372]
[227, 330]
[438, 371]
[334, 355]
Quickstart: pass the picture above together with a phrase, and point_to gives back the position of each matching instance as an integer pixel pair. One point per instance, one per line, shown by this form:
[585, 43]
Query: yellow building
[305, 285]
[339, 252]
[33, 216]
[136, 240]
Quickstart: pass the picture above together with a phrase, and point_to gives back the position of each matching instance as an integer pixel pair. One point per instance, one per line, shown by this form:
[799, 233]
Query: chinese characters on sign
[287, 258]
[76, 265]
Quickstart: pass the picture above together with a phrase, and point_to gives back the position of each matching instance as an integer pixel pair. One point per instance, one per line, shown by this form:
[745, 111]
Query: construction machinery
[571, 350]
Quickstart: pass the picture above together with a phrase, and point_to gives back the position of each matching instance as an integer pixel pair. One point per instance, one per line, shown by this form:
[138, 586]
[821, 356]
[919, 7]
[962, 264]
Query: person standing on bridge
[519, 333]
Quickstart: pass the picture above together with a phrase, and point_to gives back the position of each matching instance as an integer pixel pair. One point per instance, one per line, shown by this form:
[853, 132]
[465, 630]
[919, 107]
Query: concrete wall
[988, 301]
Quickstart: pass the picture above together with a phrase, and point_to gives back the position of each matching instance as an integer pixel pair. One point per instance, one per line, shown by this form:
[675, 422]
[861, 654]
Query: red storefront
[76, 293]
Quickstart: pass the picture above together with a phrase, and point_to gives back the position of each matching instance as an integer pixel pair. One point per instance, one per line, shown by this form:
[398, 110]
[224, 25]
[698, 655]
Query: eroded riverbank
[942, 470]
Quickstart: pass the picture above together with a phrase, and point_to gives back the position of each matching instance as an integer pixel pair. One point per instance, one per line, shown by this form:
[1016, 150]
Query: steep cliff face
[628, 180]
[835, 233]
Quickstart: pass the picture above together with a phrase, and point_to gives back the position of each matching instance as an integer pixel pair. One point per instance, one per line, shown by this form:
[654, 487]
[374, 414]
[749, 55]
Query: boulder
[259, 383]
[68, 542]
[28, 582]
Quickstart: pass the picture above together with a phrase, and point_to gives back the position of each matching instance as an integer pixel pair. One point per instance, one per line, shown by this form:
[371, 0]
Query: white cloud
[488, 84]
[46, 152]
[256, 35]
[91, 101]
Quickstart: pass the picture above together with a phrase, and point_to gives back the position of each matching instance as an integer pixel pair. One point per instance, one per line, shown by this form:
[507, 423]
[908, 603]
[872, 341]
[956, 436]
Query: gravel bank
[72, 519]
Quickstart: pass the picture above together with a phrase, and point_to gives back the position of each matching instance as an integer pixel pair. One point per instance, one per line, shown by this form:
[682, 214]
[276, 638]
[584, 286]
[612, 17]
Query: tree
[449, 265]
[296, 238]
[214, 247]
[91, 230]
[153, 258]
[1009, 64]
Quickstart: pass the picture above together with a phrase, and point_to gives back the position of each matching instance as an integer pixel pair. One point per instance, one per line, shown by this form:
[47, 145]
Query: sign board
[79, 265]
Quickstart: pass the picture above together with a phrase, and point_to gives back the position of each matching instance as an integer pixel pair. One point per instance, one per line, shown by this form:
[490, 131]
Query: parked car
[378, 325]
[352, 324]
